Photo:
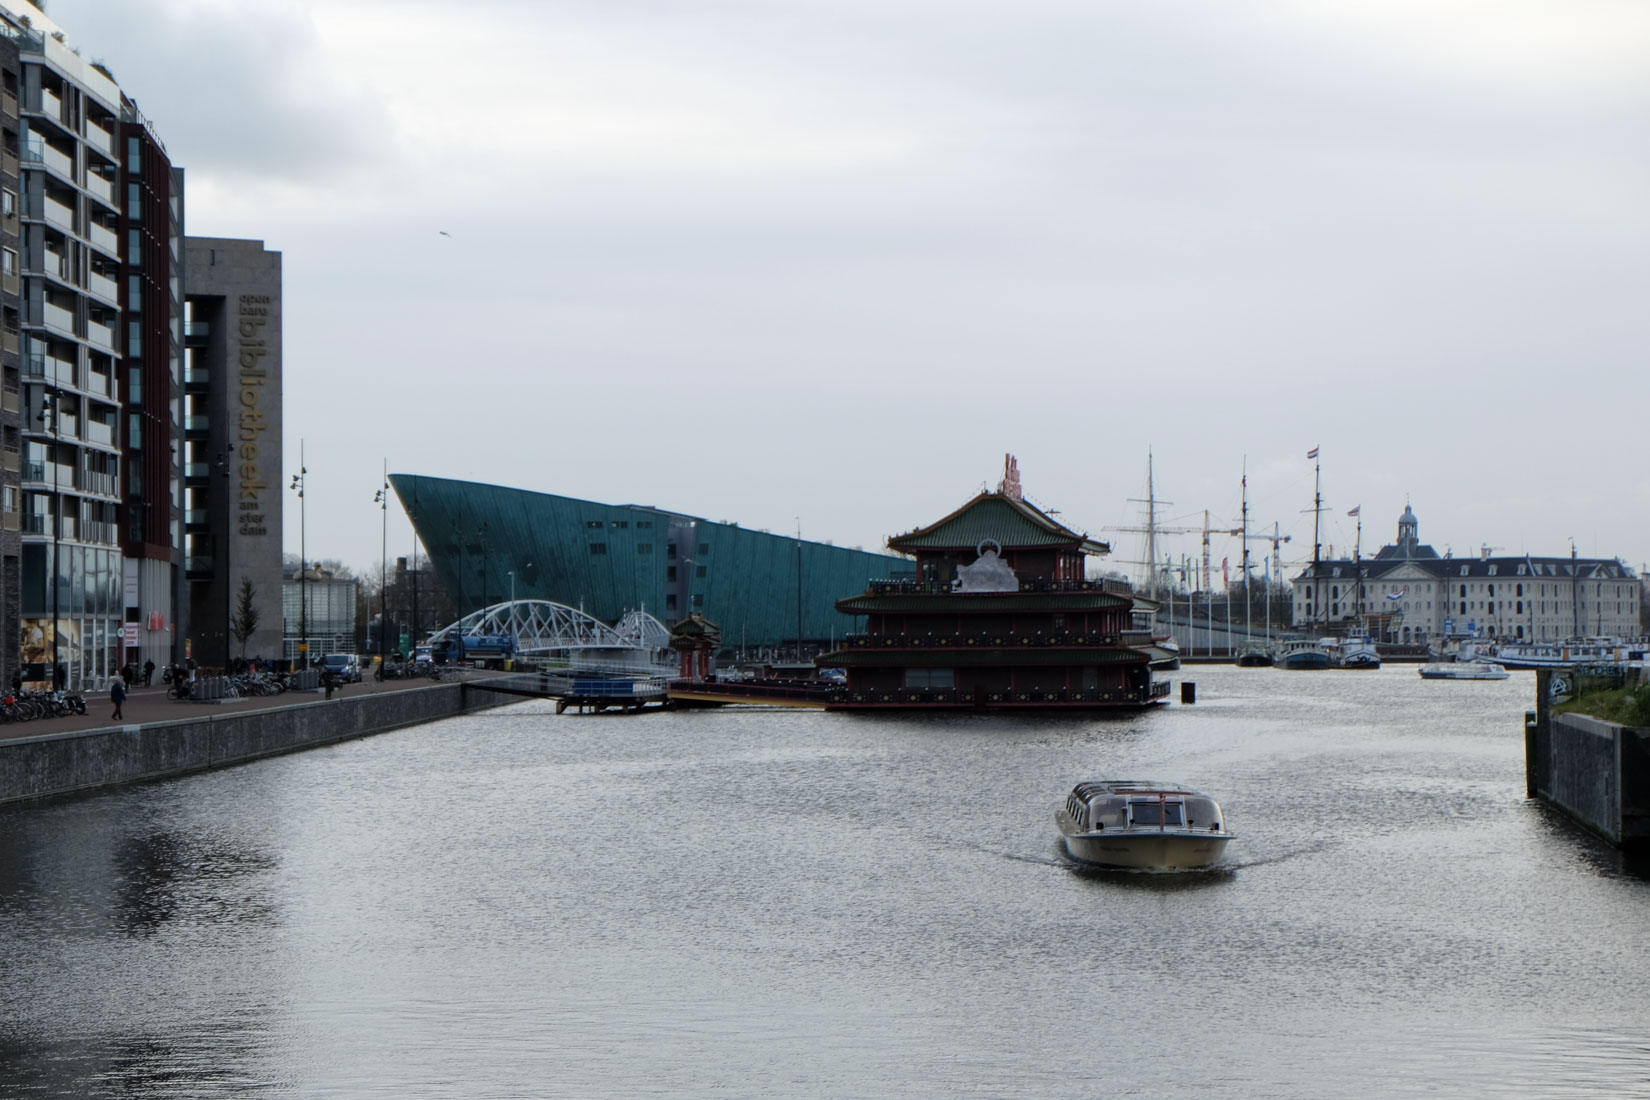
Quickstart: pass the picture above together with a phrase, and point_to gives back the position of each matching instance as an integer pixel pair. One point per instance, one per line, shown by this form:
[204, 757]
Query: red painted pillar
[687, 664]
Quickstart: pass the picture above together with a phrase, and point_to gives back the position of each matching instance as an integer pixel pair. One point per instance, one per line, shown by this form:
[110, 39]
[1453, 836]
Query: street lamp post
[383, 502]
[303, 602]
[49, 408]
[228, 532]
[513, 636]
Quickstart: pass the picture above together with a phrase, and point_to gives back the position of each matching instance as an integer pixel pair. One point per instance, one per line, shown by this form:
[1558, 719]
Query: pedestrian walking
[60, 677]
[117, 695]
[148, 673]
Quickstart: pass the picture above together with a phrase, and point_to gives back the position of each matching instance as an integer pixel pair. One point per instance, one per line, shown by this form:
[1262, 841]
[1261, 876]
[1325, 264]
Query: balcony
[197, 469]
[55, 213]
[98, 532]
[50, 105]
[9, 401]
[103, 238]
[101, 335]
[100, 187]
[103, 434]
[936, 588]
[99, 138]
[197, 376]
[107, 289]
[48, 368]
[8, 162]
[992, 639]
[57, 317]
[36, 150]
[8, 104]
[197, 564]
[48, 263]
[11, 461]
[195, 517]
[197, 423]
[36, 524]
[11, 521]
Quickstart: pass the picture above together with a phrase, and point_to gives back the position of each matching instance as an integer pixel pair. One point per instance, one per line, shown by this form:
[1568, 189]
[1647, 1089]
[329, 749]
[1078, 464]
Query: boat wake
[1281, 857]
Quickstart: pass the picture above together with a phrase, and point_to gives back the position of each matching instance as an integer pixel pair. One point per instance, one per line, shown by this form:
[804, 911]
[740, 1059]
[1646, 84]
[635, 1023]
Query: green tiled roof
[970, 602]
[1008, 522]
[979, 658]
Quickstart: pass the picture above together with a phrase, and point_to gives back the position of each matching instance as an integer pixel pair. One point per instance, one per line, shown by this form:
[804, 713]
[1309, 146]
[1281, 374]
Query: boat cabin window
[1202, 813]
[1154, 813]
[1107, 813]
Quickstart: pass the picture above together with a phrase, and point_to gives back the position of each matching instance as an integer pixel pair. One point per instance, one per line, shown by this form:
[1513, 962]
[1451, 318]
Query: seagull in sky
[444, 233]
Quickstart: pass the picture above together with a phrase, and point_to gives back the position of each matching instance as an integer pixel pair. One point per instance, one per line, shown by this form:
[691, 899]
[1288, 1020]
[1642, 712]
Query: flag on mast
[1354, 511]
[1313, 453]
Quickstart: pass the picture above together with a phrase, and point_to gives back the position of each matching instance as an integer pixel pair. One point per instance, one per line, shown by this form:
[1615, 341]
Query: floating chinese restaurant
[1000, 614]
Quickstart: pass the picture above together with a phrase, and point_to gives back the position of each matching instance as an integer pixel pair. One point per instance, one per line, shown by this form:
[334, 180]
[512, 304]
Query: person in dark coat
[117, 695]
[148, 673]
[60, 677]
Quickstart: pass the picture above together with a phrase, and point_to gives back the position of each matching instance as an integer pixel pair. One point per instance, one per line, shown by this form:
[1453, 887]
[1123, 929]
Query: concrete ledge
[34, 768]
[1599, 774]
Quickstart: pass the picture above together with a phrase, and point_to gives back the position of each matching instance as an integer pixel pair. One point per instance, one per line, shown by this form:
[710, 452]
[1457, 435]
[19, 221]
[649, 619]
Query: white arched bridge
[556, 632]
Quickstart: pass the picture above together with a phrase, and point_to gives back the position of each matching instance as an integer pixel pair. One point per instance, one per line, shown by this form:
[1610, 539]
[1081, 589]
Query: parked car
[346, 666]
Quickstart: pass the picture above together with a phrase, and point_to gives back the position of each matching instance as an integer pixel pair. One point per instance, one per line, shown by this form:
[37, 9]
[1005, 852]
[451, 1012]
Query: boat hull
[1309, 660]
[1463, 672]
[1169, 850]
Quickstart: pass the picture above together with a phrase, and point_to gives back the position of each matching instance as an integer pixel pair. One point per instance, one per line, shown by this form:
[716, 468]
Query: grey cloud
[237, 91]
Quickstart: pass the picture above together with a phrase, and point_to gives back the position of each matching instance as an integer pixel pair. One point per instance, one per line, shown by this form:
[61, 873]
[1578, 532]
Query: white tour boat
[1463, 670]
[1142, 825]
[1570, 651]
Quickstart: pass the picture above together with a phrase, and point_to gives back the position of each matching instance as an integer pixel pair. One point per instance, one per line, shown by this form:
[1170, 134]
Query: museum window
[598, 548]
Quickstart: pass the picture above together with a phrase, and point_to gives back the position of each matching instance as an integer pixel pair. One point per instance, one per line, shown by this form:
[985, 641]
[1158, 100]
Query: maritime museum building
[1408, 593]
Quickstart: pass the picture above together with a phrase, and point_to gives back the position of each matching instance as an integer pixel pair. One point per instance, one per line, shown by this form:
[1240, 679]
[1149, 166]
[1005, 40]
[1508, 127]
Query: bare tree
[245, 620]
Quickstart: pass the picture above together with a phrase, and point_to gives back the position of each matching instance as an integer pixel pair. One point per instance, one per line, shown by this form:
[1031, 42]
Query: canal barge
[1142, 825]
[999, 616]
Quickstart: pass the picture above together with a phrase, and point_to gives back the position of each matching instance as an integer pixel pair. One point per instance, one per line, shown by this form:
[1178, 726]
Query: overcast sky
[825, 261]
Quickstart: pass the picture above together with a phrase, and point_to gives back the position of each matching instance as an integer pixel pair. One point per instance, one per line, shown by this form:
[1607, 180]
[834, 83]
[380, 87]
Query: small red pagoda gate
[999, 615]
[696, 639]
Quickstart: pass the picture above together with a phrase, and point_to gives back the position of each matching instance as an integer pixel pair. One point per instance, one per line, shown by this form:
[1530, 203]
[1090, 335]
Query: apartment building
[70, 259]
[124, 481]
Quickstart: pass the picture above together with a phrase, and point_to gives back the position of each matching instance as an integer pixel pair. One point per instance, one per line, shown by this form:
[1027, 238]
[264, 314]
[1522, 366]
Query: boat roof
[1091, 787]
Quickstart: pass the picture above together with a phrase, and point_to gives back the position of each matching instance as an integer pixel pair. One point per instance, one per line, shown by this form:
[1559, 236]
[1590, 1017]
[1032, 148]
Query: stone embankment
[161, 738]
[1596, 772]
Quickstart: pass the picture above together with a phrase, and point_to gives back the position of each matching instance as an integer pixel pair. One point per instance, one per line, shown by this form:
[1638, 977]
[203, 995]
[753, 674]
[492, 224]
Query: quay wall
[67, 763]
[1596, 772]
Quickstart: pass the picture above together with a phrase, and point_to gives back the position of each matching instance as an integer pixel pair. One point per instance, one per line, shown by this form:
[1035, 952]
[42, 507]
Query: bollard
[1188, 692]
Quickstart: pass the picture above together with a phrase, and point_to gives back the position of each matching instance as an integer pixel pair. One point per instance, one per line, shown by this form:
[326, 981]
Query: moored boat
[1570, 651]
[1355, 651]
[1300, 653]
[1142, 825]
[1255, 655]
[1463, 670]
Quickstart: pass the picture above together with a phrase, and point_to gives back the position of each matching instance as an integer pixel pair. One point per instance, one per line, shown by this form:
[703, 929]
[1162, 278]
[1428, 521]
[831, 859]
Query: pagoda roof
[1010, 523]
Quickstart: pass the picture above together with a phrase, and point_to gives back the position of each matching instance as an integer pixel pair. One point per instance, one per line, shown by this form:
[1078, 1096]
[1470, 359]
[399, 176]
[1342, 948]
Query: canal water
[786, 903]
